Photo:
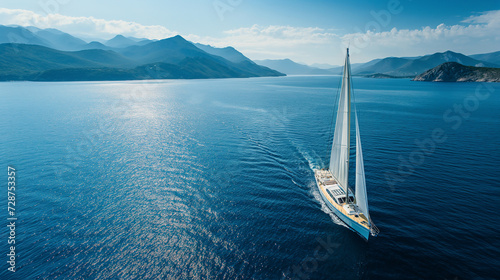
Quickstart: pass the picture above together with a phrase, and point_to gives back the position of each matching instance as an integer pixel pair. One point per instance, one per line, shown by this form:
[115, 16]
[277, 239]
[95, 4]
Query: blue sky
[305, 31]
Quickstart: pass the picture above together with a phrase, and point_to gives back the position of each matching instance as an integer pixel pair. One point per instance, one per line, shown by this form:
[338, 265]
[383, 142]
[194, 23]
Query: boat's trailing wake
[305, 155]
[311, 185]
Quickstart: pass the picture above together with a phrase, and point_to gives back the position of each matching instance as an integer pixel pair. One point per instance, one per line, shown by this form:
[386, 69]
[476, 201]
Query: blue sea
[213, 179]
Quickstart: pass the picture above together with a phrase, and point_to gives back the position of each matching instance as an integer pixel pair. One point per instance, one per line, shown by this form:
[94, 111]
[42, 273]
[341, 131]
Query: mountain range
[396, 66]
[30, 53]
[389, 66]
[290, 67]
[49, 55]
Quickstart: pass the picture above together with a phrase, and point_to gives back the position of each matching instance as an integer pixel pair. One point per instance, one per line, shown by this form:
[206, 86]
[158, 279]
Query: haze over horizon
[307, 32]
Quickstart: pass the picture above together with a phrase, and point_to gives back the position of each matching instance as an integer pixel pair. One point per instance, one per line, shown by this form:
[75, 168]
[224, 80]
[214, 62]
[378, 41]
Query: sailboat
[351, 207]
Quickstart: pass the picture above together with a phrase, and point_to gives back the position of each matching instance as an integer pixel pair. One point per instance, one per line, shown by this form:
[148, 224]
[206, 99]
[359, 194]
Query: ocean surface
[213, 179]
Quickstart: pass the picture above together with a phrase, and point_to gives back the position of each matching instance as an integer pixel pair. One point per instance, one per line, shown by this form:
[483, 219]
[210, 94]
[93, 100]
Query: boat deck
[326, 176]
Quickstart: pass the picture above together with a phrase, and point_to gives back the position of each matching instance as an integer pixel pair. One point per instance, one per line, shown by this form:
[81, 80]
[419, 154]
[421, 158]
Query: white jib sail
[339, 158]
[361, 197]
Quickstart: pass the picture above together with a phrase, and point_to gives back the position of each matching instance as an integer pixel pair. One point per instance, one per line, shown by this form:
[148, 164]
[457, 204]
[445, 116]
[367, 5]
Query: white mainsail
[339, 158]
[361, 197]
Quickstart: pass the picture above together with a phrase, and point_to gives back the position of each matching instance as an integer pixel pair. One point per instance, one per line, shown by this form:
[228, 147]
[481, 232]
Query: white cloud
[476, 34]
[83, 26]
[491, 18]
[260, 42]
[280, 35]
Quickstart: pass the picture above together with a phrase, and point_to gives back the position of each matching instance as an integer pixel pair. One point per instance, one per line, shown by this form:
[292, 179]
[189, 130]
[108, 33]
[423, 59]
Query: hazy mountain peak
[31, 28]
[119, 41]
[291, 67]
[20, 35]
[53, 30]
[228, 53]
[178, 37]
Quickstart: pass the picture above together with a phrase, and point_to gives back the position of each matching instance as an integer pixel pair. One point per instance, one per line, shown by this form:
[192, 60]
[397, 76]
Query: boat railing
[374, 229]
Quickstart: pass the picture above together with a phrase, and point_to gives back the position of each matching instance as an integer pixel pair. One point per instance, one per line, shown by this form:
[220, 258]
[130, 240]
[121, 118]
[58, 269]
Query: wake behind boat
[333, 182]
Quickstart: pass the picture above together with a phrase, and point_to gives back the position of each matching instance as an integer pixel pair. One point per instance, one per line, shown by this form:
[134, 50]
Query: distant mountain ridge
[395, 66]
[228, 53]
[120, 41]
[493, 57]
[290, 67]
[49, 37]
[171, 58]
[60, 40]
[20, 35]
[19, 61]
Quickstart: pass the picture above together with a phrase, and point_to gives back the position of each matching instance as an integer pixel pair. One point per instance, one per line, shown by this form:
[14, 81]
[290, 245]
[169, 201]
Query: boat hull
[356, 227]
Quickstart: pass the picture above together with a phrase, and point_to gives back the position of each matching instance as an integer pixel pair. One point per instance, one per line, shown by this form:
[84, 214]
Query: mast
[339, 157]
[348, 69]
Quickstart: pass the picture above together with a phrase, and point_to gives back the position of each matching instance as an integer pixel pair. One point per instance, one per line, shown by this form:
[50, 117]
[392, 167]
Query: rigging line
[356, 120]
[352, 89]
[356, 117]
[353, 96]
[330, 132]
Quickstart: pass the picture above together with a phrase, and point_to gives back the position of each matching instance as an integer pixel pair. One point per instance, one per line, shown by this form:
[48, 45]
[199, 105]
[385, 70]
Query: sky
[315, 31]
